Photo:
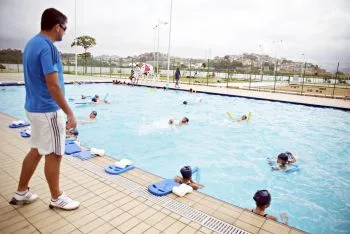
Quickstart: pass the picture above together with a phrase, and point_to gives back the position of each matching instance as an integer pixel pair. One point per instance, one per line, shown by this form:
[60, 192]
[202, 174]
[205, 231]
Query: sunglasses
[63, 27]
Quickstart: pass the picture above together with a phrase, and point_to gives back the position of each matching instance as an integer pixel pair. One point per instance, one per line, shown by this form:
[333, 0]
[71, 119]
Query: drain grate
[177, 207]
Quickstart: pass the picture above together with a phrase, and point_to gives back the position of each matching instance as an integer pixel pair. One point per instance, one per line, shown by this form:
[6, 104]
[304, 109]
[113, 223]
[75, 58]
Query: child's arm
[195, 185]
[271, 217]
[178, 179]
[293, 158]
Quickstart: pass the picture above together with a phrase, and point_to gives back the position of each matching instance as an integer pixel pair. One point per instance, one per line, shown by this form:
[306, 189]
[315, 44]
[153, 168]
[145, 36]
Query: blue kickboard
[292, 169]
[83, 155]
[162, 188]
[114, 170]
[24, 134]
[19, 125]
[71, 148]
[70, 140]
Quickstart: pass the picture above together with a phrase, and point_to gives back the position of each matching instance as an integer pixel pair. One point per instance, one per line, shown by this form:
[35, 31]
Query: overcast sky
[320, 29]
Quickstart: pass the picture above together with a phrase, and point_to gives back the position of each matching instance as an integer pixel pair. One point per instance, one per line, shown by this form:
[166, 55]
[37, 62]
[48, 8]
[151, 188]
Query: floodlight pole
[75, 39]
[171, 10]
[158, 25]
[154, 47]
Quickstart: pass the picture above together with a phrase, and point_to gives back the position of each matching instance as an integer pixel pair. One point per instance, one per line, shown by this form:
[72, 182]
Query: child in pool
[186, 178]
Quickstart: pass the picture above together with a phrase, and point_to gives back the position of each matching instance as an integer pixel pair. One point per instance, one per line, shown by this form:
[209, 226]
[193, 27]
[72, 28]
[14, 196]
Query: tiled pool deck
[108, 206]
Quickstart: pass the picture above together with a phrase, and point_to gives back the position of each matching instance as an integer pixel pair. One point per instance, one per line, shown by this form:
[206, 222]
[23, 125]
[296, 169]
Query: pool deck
[221, 90]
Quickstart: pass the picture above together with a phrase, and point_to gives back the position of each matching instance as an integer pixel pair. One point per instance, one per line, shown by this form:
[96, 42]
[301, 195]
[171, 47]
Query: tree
[86, 42]
[10, 56]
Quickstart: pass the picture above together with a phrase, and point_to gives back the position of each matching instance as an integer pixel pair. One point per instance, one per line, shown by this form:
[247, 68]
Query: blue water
[231, 156]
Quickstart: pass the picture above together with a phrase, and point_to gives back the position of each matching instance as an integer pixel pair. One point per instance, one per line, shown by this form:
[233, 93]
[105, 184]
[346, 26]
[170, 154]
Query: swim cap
[283, 156]
[186, 172]
[94, 113]
[74, 131]
[185, 103]
[262, 197]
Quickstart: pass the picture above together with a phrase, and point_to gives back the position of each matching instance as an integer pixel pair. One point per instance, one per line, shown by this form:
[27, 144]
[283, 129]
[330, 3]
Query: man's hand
[72, 123]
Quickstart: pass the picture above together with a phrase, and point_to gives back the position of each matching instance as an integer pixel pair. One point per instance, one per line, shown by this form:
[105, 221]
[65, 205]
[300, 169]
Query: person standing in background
[177, 77]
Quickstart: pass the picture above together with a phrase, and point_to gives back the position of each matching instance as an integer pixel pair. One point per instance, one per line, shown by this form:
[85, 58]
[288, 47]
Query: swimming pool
[231, 156]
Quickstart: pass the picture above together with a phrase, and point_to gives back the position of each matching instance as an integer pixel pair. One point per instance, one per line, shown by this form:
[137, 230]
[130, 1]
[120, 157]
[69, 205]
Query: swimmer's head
[186, 172]
[282, 158]
[244, 117]
[93, 114]
[184, 102]
[171, 121]
[185, 120]
[262, 198]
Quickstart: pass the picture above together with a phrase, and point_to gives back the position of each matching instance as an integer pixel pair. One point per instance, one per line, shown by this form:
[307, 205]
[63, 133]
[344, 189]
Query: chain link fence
[302, 79]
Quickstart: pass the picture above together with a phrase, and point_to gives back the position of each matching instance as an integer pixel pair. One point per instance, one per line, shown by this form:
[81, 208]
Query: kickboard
[162, 188]
[292, 169]
[71, 148]
[114, 170]
[83, 155]
[19, 125]
[70, 141]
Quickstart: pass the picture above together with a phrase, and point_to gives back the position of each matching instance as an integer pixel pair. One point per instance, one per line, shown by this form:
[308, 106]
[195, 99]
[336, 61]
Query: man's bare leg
[52, 173]
[29, 165]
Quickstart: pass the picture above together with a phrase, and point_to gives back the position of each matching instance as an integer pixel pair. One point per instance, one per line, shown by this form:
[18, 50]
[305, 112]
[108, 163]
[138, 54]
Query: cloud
[319, 29]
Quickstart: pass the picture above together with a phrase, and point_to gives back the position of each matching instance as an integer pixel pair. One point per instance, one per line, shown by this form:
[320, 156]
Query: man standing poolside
[45, 107]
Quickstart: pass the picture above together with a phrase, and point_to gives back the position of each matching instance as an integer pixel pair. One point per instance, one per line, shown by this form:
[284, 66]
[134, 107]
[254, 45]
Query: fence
[300, 82]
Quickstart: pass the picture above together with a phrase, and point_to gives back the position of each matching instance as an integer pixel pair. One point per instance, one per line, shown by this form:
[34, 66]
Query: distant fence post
[18, 64]
[174, 70]
[274, 85]
[68, 65]
[227, 76]
[110, 67]
[91, 65]
[189, 80]
[120, 68]
[250, 75]
[100, 67]
[302, 85]
[335, 80]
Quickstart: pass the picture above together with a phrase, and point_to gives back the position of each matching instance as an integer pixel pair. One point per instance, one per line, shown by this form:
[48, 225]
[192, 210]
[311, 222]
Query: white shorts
[48, 132]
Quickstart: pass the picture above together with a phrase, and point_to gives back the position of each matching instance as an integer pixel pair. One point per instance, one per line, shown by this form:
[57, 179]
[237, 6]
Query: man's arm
[57, 94]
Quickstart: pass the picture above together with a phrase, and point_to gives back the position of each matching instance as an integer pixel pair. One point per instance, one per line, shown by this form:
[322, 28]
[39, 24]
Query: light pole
[276, 42]
[301, 66]
[158, 26]
[261, 61]
[170, 18]
[154, 46]
[75, 39]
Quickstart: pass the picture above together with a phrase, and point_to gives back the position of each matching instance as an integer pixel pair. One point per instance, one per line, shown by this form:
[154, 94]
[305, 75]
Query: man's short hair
[51, 17]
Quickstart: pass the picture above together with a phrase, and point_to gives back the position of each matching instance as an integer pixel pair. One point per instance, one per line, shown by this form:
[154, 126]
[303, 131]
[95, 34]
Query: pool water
[231, 156]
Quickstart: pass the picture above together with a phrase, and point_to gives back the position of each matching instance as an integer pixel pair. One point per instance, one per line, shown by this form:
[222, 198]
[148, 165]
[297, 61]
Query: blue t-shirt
[40, 58]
